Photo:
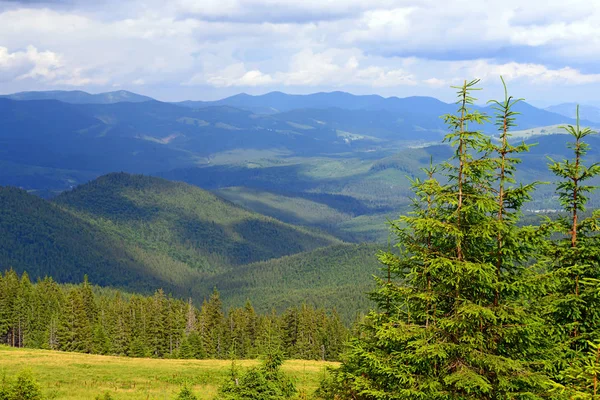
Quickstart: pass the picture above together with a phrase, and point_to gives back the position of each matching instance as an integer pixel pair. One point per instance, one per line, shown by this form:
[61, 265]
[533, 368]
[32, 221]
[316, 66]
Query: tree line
[88, 319]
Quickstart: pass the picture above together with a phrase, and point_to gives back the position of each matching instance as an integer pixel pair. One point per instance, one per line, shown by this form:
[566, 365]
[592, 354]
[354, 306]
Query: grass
[72, 376]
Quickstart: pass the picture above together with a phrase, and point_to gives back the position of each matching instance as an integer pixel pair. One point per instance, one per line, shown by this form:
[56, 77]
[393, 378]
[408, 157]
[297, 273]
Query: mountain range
[274, 197]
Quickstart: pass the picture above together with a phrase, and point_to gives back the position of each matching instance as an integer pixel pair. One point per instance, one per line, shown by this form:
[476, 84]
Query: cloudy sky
[548, 50]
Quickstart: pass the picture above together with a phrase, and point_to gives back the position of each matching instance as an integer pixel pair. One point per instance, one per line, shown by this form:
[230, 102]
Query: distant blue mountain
[587, 112]
[415, 112]
[80, 97]
[532, 117]
[276, 102]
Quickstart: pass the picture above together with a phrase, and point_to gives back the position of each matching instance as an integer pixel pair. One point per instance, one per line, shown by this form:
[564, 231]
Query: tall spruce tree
[453, 321]
[574, 272]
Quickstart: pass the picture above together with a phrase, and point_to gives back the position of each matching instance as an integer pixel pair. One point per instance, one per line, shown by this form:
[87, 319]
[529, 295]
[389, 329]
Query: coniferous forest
[88, 319]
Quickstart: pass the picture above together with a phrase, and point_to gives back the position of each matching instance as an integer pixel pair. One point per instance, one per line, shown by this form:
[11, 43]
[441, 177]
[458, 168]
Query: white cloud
[333, 67]
[45, 66]
[233, 75]
[384, 46]
[29, 63]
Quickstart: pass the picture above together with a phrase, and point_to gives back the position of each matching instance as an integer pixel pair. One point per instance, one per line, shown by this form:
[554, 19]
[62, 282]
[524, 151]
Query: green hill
[332, 277]
[43, 239]
[141, 233]
[184, 222]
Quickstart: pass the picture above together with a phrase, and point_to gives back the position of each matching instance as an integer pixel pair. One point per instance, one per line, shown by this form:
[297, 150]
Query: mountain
[276, 102]
[140, 232]
[586, 112]
[47, 240]
[532, 117]
[420, 110]
[198, 227]
[80, 97]
[55, 145]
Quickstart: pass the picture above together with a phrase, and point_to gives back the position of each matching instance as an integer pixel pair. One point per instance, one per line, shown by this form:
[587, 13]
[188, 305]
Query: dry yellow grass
[72, 376]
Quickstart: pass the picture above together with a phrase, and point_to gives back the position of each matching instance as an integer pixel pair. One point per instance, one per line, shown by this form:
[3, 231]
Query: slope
[191, 225]
[43, 239]
[140, 233]
[332, 277]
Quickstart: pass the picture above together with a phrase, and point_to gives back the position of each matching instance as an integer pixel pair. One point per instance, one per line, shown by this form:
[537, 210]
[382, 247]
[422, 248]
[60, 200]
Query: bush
[266, 382]
[23, 388]
[105, 396]
[186, 394]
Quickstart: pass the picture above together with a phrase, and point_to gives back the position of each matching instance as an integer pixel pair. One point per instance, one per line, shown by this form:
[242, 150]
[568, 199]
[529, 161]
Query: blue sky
[548, 51]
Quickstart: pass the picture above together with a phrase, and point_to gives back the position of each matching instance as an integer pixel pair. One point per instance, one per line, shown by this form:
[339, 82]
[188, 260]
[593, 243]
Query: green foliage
[266, 382]
[186, 394]
[142, 233]
[105, 396]
[573, 263]
[87, 319]
[454, 318]
[23, 387]
[334, 277]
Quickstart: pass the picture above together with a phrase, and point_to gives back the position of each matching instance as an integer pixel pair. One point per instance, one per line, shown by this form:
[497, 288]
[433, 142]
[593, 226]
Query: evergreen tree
[266, 382]
[212, 326]
[74, 331]
[453, 320]
[8, 315]
[574, 264]
[158, 330]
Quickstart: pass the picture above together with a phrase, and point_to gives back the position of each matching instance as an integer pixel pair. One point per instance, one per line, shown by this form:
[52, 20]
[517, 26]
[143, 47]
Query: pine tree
[158, 332]
[453, 320]
[8, 314]
[212, 328]
[574, 264]
[74, 330]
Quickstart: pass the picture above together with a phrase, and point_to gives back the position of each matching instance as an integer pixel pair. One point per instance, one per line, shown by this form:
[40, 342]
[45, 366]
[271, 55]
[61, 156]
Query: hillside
[141, 233]
[44, 239]
[331, 277]
[50, 145]
[192, 225]
[137, 231]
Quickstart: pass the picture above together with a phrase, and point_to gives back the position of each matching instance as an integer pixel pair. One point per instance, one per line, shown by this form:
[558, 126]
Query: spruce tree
[74, 331]
[453, 320]
[574, 270]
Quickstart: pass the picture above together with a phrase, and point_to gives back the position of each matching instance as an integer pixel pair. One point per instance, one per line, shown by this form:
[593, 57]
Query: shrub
[186, 394]
[266, 382]
[23, 388]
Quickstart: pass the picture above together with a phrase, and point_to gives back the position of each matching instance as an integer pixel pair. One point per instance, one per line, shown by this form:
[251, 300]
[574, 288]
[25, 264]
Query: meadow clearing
[75, 376]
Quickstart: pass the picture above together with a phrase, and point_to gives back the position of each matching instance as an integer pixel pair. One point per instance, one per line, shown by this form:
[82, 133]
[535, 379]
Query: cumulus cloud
[29, 63]
[384, 46]
[233, 75]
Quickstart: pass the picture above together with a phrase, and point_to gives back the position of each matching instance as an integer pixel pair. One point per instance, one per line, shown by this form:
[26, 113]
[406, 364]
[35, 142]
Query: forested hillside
[142, 233]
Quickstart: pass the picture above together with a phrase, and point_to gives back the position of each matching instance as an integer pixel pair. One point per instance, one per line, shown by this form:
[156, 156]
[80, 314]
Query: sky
[547, 50]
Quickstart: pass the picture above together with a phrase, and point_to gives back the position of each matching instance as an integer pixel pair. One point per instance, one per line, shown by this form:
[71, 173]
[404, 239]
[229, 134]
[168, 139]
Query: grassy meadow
[75, 376]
